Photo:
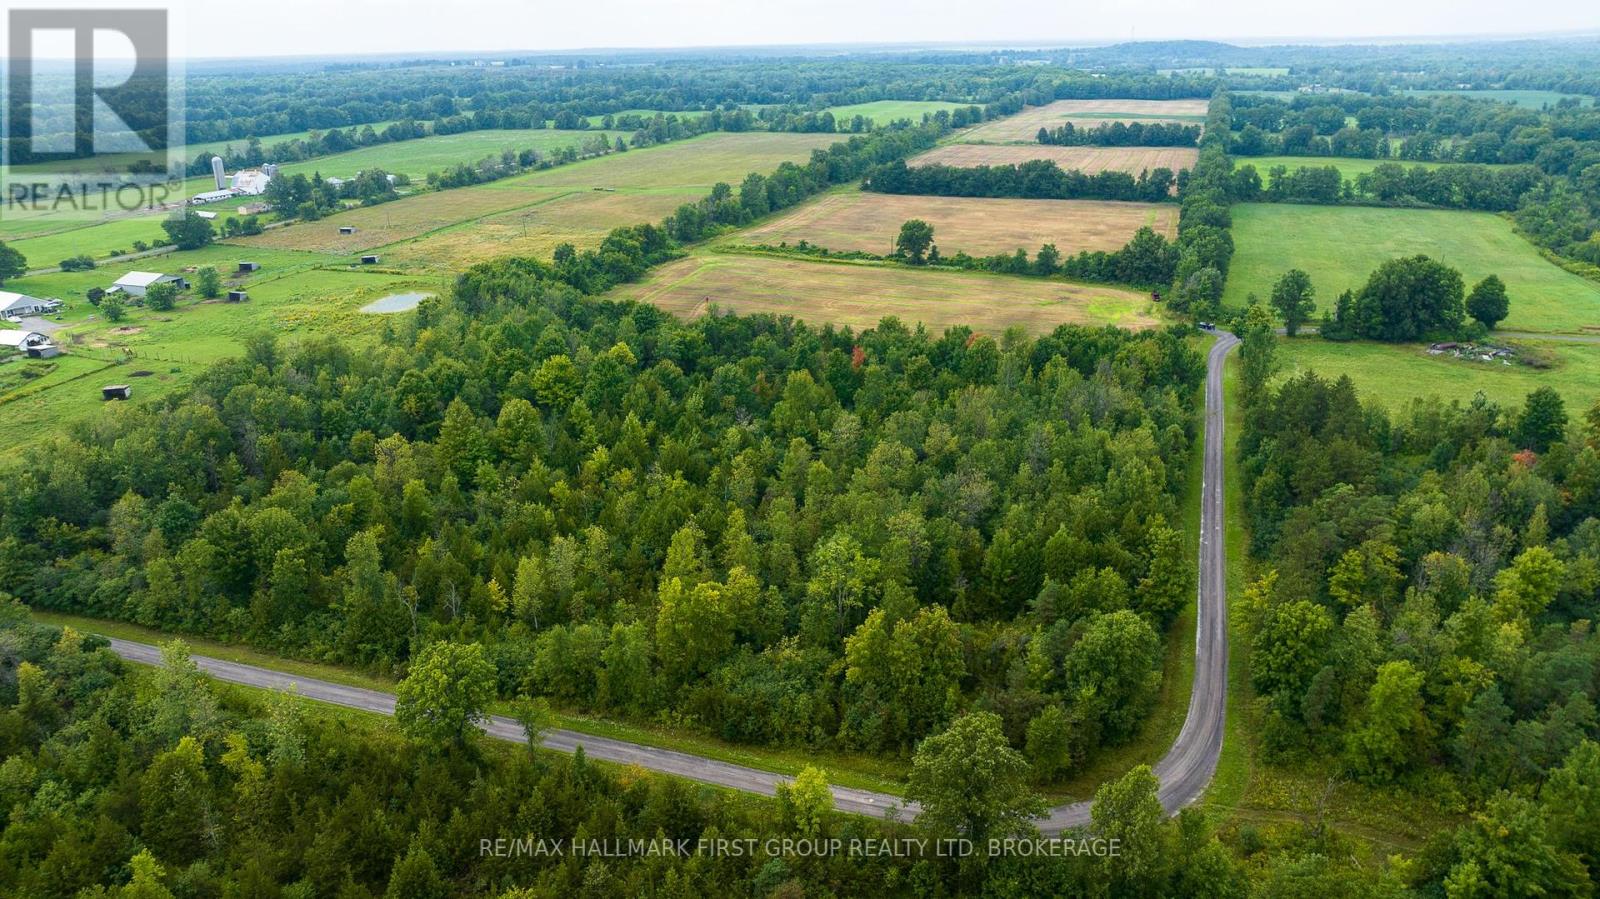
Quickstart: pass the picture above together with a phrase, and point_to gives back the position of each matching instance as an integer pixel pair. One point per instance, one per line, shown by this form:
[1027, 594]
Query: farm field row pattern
[860, 295]
[1024, 126]
[1089, 160]
[851, 219]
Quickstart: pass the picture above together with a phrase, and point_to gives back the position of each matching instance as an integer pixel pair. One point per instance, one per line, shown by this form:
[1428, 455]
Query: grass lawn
[1394, 374]
[882, 112]
[861, 295]
[1339, 246]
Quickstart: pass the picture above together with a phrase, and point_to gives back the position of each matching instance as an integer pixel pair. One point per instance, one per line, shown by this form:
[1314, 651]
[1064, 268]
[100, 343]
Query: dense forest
[1422, 613]
[156, 785]
[721, 521]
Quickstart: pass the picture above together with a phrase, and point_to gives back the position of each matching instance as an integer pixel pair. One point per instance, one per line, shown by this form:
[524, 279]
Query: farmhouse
[14, 305]
[135, 284]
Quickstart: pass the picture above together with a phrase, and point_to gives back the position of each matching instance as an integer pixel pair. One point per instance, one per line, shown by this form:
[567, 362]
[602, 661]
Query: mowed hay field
[862, 295]
[1395, 374]
[1339, 246]
[417, 158]
[1088, 160]
[684, 170]
[869, 222]
[1024, 126]
[581, 218]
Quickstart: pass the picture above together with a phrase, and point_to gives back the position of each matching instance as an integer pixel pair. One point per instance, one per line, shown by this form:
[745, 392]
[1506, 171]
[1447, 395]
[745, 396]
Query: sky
[247, 28]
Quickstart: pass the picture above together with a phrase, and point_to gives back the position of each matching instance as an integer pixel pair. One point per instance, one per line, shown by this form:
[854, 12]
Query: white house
[134, 284]
[20, 304]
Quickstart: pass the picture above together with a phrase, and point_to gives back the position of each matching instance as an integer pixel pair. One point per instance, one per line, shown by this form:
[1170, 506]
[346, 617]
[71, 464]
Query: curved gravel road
[1184, 772]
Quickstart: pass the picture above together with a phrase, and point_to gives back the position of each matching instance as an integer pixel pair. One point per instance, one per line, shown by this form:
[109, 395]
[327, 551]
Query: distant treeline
[1038, 179]
[1473, 187]
[1122, 134]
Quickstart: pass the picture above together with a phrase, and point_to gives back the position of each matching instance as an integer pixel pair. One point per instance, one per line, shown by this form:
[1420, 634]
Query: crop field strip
[1024, 126]
[1088, 160]
[869, 222]
[862, 295]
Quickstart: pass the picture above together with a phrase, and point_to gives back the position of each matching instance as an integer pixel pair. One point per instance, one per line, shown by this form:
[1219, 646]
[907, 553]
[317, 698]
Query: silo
[216, 172]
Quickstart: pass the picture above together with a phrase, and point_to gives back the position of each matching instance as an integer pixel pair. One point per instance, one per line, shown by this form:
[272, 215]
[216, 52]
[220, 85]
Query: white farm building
[134, 284]
[250, 182]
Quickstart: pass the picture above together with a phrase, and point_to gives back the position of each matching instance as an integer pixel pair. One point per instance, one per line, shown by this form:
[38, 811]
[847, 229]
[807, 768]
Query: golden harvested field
[1088, 160]
[684, 170]
[1024, 126]
[862, 295]
[869, 222]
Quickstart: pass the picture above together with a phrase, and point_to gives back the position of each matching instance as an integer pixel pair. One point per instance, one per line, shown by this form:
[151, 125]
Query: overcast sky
[288, 27]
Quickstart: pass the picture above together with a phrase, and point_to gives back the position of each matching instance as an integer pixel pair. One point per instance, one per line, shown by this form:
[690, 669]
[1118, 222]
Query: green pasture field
[47, 239]
[658, 178]
[882, 112]
[419, 157]
[1394, 374]
[1526, 99]
[1339, 246]
[1348, 167]
[292, 295]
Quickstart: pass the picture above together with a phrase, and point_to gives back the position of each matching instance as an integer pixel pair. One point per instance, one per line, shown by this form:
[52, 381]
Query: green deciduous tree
[188, 231]
[208, 282]
[1295, 299]
[1543, 420]
[1393, 728]
[12, 263]
[914, 241]
[161, 297]
[971, 783]
[445, 692]
[1488, 302]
